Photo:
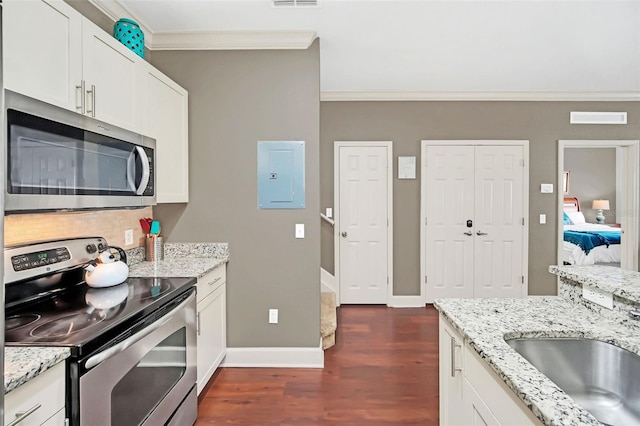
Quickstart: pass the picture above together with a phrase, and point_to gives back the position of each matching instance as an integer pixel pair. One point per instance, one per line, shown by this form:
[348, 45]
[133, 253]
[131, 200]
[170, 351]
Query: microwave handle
[131, 171]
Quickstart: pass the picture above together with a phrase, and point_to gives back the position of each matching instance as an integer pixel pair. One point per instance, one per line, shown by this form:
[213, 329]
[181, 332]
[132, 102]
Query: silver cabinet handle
[453, 357]
[93, 100]
[21, 415]
[468, 233]
[344, 234]
[215, 281]
[481, 233]
[198, 323]
[80, 107]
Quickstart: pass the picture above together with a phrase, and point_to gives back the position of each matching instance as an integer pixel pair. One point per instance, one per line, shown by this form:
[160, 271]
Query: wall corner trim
[275, 357]
[355, 96]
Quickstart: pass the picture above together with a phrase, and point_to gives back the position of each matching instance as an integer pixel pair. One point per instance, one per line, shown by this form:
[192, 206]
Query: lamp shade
[600, 205]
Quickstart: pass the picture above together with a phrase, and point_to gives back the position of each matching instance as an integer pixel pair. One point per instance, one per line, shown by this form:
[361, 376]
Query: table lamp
[600, 205]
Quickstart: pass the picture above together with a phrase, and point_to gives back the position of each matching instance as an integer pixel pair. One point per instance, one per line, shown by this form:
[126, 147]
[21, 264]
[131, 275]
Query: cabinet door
[477, 410]
[45, 390]
[42, 45]
[451, 377]
[165, 107]
[111, 73]
[212, 334]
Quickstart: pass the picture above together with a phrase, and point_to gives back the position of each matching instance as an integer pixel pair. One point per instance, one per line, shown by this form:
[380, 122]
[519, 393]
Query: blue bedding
[587, 240]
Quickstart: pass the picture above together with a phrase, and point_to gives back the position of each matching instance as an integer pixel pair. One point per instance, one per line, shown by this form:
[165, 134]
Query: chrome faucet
[634, 314]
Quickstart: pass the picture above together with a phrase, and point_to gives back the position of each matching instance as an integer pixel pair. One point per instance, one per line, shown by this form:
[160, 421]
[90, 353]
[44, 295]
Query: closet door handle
[481, 233]
[344, 234]
[468, 233]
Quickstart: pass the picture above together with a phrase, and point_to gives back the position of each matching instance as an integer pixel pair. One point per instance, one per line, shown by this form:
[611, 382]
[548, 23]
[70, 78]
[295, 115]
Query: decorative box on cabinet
[211, 323]
[42, 396]
[54, 54]
[165, 119]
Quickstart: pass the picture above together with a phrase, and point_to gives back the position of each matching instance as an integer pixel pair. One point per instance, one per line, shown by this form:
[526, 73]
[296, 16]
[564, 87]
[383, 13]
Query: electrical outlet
[273, 316]
[599, 297]
[128, 237]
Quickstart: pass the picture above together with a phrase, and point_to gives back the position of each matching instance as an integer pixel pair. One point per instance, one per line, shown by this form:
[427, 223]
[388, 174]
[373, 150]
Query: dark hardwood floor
[383, 370]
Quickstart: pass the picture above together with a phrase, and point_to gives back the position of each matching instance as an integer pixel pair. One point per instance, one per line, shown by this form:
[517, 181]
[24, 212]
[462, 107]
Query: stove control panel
[26, 261]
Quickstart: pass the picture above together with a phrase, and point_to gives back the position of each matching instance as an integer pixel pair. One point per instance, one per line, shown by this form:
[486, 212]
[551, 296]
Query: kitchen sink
[604, 379]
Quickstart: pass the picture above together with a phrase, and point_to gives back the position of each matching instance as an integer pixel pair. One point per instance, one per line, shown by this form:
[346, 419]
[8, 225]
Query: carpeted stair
[328, 321]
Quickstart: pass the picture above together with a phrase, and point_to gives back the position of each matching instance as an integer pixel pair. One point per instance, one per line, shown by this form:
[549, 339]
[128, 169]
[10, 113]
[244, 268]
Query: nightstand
[613, 225]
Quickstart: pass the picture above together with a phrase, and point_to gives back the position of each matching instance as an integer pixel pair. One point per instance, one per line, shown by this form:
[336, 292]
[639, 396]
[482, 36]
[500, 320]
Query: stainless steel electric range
[133, 345]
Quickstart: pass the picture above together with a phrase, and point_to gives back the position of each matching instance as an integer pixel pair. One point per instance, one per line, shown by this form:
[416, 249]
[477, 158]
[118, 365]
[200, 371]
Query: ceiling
[425, 49]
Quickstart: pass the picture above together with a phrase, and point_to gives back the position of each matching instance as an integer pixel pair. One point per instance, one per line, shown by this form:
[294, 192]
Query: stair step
[328, 318]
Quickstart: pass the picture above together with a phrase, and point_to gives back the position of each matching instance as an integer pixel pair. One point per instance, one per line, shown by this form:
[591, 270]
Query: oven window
[143, 387]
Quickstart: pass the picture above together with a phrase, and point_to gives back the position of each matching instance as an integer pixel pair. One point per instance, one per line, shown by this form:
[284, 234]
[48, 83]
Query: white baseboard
[406, 302]
[275, 357]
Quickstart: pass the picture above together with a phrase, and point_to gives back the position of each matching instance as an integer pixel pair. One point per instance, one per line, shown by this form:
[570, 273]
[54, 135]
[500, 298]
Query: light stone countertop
[485, 323]
[619, 282]
[23, 364]
[177, 267]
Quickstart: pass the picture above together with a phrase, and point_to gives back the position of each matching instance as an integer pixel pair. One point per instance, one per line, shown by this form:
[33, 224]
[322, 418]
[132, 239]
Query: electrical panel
[281, 175]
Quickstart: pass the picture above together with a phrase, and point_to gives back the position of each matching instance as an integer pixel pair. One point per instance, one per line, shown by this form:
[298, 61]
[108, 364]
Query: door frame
[423, 203]
[630, 153]
[336, 204]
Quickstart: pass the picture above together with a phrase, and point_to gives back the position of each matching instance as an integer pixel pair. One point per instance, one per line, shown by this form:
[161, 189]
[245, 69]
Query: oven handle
[108, 353]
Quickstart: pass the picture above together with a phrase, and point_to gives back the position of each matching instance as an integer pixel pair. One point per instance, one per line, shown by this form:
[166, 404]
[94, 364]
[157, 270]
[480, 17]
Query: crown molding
[233, 40]
[354, 96]
[114, 10]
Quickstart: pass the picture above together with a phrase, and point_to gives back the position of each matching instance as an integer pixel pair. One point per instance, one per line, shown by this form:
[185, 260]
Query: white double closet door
[473, 201]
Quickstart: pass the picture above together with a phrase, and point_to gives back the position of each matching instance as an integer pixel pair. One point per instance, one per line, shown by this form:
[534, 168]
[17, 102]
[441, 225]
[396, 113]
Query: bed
[587, 243]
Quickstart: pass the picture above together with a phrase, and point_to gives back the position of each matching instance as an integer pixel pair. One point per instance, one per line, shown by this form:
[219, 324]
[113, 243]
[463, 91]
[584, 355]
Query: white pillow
[577, 218]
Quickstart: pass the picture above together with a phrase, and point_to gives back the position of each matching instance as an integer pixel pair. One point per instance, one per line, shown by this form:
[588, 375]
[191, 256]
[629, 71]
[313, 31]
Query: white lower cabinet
[43, 396]
[471, 393]
[212, 324]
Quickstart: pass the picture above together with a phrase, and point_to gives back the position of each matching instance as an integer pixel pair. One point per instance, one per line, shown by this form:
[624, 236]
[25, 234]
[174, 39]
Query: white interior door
[450, 203]
[499, 221]
[363, 224]
[474, 232]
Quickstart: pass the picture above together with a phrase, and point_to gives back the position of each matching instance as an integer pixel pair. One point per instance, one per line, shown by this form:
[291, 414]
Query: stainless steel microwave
[57, 159]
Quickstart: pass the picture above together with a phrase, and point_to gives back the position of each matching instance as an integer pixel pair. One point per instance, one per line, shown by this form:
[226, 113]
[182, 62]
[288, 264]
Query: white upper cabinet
[43, 51]
[111, 74]
[54, 54]
[165, 106]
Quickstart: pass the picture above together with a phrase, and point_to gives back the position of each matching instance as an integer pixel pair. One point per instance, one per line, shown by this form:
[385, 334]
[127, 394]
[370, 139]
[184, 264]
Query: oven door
[146, 379]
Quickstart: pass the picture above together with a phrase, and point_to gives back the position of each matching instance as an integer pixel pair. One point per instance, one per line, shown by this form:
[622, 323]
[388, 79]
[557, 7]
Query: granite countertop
[23, 364]
[485, 323]
[619, 282]
[177, 267]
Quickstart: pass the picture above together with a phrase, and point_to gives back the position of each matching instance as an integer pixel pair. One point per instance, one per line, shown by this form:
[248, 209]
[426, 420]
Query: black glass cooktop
[83, 317]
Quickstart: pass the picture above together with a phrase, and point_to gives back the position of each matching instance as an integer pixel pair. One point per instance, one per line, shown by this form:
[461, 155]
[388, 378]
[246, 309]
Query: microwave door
[138, 172]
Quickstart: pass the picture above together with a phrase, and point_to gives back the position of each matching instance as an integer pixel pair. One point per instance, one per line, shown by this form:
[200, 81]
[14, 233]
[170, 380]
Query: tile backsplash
[110, 224]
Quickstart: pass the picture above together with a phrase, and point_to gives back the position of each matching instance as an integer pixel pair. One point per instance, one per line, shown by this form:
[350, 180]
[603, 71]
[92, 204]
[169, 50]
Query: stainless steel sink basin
[604, 379]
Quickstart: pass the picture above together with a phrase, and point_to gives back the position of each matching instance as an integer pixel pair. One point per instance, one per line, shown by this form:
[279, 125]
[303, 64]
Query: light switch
[546, 188]
[329, 212]
[543, 219]
[299, 230]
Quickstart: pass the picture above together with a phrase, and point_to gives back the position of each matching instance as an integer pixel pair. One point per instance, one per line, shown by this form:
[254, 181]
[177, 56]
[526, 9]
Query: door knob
[344, 234]
[481, 233]
[468, 233]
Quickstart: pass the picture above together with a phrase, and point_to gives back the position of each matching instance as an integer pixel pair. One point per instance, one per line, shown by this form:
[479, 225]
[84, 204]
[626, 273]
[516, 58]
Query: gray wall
[237, 98]
[592, 177]
[407, 123]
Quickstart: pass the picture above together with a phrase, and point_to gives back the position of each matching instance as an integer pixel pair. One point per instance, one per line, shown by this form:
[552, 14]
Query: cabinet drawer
[47, 389]
[208, 283]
